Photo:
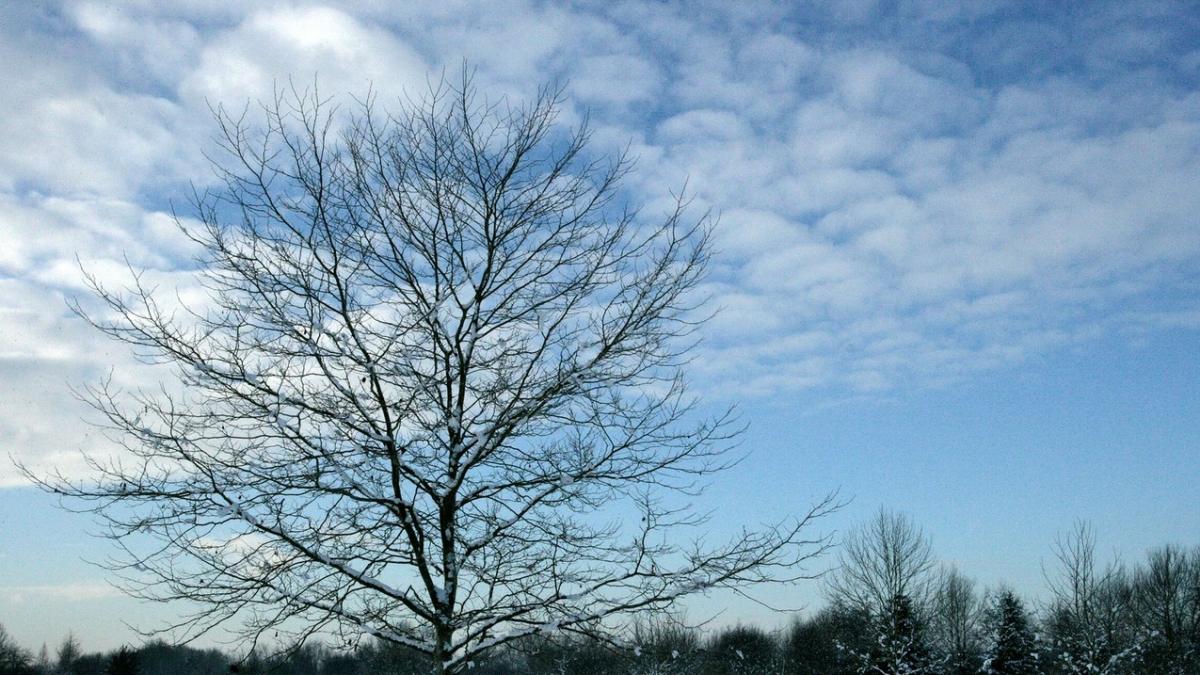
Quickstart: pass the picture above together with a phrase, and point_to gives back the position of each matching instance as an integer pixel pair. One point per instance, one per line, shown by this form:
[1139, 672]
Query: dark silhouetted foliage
[741, 650]
[124, 661]
[900, 645]
[822, 644]
[1013, 650]
[13, 659]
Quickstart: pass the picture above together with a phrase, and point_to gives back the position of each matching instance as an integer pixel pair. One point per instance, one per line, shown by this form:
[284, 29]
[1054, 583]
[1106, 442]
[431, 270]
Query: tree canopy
[437, 345]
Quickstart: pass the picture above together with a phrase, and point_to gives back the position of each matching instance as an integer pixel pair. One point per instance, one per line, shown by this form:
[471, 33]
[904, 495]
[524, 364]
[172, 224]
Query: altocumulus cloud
[910, 192]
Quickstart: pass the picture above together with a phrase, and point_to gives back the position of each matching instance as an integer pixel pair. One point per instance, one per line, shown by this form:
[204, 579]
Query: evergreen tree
[1014, 649]
[900, 647]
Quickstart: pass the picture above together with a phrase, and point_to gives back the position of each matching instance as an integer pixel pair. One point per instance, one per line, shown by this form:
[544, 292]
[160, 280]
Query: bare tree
[68, 654]
[13, 659]
[1090, 618]
[1167, 608]
[886, 557]
[954, 623]
[441, 354]
[665, 646]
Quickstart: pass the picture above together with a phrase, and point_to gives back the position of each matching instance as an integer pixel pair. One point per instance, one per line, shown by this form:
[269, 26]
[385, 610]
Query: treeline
[891, 611]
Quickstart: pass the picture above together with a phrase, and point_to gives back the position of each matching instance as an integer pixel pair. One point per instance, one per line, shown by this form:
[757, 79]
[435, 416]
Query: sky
[958, 252]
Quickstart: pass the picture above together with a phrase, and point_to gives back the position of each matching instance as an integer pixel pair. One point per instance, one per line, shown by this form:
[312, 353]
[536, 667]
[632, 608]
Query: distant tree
[901, 646]
[954, 623]
[13, 659]
[1013, 649]
[159, 658]
[437, 342]
[343, 663]
[1167, 608]
[883, 559]
[824, 643]
[124, 661]
[308, 659]
[44, 665]
[94, 663]
[252, 663]
[564, 653]
[664, 647]
[1090, 624]
[742, 650]
[387, 657]
[68, 655]
[506, 661]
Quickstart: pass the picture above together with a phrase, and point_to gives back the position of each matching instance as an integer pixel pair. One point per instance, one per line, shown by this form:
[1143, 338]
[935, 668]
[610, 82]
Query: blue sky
[958, 242]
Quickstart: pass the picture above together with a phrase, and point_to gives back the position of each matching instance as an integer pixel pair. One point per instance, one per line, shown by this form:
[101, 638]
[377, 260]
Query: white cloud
[77, 592]
[979, 226]
[271, 47]
[95, 141]
[160, 48]
[46, 351]
[896, 209]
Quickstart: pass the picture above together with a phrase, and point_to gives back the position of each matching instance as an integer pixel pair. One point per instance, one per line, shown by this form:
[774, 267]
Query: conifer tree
[900, 647]
[1014, 648]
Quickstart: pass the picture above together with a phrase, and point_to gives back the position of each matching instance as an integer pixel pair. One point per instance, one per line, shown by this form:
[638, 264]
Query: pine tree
[900, 647]
[1014, 650]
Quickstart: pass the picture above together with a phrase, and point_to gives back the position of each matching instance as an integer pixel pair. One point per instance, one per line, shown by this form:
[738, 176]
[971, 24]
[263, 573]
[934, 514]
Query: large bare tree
[437, 398]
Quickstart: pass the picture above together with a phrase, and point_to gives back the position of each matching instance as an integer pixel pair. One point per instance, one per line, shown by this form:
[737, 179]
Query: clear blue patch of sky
[995, 468]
